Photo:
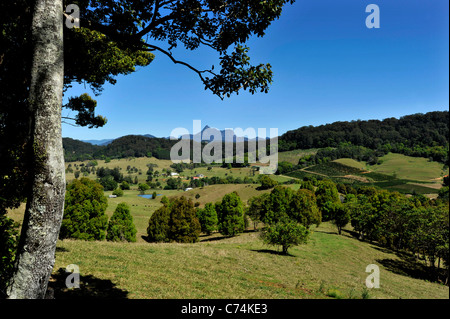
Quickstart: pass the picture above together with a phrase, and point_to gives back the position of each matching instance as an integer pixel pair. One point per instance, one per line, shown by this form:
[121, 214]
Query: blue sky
[328, 66]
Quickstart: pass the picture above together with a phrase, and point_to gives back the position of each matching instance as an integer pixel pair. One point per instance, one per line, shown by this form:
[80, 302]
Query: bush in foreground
[230, 213]
[120, 226]
[84, 211]
[286, 233]
[208, 218]
[175, 221]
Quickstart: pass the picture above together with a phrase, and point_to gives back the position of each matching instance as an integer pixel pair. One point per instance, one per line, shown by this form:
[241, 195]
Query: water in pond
[148, 195]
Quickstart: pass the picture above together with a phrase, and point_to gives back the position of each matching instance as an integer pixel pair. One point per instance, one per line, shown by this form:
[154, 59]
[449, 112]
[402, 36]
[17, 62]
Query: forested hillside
[126, 146]
[424, 135]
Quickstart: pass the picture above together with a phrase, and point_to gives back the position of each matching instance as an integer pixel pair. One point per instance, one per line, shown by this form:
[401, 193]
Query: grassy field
[352, 163]
[294, 155]
[329, 266]
[141, 165]
[412, 168]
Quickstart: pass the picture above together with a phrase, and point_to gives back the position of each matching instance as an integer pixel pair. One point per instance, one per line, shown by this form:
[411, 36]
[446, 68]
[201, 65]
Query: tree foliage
[175, 221]
[84, 211]
[121, 226]
[230, 213]
[286, 233]
[207, 217]
[422, 135]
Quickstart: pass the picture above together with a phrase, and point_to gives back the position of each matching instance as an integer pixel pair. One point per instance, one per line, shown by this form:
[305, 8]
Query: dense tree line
[126, 146]
[424, 135]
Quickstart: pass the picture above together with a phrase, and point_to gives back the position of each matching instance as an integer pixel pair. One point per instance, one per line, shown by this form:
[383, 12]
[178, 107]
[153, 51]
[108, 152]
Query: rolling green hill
[329, 266]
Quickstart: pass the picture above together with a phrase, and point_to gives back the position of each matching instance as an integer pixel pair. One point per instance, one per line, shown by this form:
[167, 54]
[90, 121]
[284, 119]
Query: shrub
[175, 221]
[118, 192]
[143, 187]
[158, 225]
[120, 226]
[230, 213]
[125, 185]
[108, 183]
[84, 211]
[9, 237]
[208, 218]
[286, 233]
[267, 182]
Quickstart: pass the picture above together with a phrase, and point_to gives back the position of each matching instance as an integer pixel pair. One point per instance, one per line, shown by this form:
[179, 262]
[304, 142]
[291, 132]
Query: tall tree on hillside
[116, 36]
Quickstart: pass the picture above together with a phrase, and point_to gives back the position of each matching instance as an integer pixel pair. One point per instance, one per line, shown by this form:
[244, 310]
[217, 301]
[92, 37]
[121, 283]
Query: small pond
[149, 196]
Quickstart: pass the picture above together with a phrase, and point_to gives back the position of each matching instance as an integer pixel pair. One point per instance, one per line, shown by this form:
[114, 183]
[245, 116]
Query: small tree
[165, 200]
[286, 233]
[158, 225]
[267, 182]
[118, 192]
[143, 187]
[327, 196]
[175, 221]
[84, 211]
[108, 183]
[230, 213]
[120, 226]
[184, 226]
[125, 185]
[208, 218]
[255, 206]
[341, 216]
[154, 195]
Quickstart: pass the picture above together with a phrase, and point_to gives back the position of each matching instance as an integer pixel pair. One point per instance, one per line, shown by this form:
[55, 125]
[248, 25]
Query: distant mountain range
[227, 136]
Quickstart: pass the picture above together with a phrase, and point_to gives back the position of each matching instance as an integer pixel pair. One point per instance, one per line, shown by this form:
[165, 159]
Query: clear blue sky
[328, 66]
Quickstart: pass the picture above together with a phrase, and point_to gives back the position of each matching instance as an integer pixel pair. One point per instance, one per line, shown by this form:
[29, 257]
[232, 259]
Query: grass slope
[239, 267]
[412, 168]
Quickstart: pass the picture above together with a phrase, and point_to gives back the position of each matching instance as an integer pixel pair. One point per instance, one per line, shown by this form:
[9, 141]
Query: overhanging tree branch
[152, 47]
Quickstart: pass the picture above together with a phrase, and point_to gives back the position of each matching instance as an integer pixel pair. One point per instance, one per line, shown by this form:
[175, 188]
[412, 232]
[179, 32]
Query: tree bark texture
[45, 201]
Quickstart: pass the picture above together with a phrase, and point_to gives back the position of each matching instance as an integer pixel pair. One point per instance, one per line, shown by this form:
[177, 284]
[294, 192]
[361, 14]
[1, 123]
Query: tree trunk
[45, 203]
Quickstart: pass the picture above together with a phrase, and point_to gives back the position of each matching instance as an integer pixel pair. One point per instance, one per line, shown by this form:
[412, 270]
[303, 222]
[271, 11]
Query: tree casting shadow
[90, 288]
[273, 252]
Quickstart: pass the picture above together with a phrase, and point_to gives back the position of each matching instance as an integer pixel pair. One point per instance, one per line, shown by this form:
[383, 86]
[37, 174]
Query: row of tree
[85, 217]
[178, 220]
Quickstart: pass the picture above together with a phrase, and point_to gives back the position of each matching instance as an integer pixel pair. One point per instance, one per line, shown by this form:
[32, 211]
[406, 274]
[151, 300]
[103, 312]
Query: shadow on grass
[90, 288]
[214, 238]
[273, 252]
[411, 268]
